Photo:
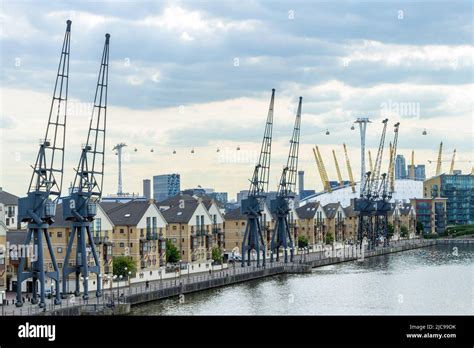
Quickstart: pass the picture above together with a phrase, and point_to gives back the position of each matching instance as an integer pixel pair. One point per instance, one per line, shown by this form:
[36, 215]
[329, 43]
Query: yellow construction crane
[391, 169]
[339, 176]
[370, 163]
[349, 169]
[438, 166]
[322, 169]
[412, 169]
[451, 169]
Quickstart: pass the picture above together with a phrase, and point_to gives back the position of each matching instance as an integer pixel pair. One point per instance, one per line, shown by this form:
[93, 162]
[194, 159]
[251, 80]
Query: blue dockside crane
[280, 206]
[80, 207]
[38, 208]
[252, 206]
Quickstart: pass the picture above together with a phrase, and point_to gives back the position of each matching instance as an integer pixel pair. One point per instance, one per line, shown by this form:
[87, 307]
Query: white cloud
[180, 20]
[395, 55]
[82, 19]
[186, 37]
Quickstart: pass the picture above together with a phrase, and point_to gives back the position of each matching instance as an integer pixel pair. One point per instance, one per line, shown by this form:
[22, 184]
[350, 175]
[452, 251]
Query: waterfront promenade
[119, 300]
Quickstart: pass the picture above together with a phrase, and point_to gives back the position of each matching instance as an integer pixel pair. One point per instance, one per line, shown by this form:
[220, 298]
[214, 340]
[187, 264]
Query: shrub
[302, 242]
[329, 238]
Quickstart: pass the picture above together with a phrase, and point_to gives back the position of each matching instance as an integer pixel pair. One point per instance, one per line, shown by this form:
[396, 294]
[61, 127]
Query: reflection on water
[434, 280]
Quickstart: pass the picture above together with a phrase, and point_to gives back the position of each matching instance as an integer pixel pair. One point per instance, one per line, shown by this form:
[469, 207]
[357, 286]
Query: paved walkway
[118, 293]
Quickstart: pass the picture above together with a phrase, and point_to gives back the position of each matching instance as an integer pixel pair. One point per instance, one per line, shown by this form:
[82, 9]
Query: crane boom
[391, 172]
[349, 169]
[412, 168]
[371, 165]
[280, 206]
[339, 176]
[252, 206]
[438, 165]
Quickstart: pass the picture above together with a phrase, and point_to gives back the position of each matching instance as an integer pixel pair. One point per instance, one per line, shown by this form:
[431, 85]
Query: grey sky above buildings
[198, 74]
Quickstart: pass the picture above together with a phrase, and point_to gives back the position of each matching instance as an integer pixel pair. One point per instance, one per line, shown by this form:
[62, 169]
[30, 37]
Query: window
[182, 239]
[121, 230]
[60, 265]
[148, 226]
[60, 234]
[236, 223]
[60, 250]
[98, 224]
[183, 252]
[174, 227]
[131, 245]
[121, 245]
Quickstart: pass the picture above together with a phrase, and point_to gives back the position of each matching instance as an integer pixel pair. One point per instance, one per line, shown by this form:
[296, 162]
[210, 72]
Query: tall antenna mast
[118, 149]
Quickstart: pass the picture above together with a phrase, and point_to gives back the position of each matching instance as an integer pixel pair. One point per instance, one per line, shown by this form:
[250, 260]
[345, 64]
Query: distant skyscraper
[419, 171]
[400, 167]
[166, 185]
[242, 195]
[147, 188]
[300, 182]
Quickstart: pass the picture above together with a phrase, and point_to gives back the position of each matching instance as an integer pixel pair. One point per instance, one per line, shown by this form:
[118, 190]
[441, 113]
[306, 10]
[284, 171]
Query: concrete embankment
[237, 274]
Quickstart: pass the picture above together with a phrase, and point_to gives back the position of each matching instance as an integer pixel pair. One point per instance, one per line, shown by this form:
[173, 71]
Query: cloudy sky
[198, 74]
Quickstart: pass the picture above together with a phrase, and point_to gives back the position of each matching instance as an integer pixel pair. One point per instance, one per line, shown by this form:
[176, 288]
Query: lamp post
[114, 278]
[3, 302]
[118, 289]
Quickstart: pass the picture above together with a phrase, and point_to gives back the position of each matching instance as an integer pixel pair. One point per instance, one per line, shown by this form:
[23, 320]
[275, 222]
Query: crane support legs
[282, 238]
[81, 267]
[253, 240]
[37, 270]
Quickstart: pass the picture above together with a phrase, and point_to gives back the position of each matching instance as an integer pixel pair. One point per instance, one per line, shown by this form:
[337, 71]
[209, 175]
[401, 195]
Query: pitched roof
[349, 211]
[109, 205]
[8, 198]
[234, 214]
[59, 219]
[330, 209]
[175, 200]
[180, 214]
[128, 214]
[16, 237]
[307, 211]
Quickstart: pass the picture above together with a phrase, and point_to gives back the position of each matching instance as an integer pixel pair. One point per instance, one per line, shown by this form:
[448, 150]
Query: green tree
[390, 230]
[119, 264]
[419, 227]
[403, 231]
[302, 242]
[217, 255]
[172, 252]
[329, 238]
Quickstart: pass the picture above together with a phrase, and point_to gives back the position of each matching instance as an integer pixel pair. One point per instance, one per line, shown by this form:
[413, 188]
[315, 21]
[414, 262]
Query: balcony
[101, 238]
